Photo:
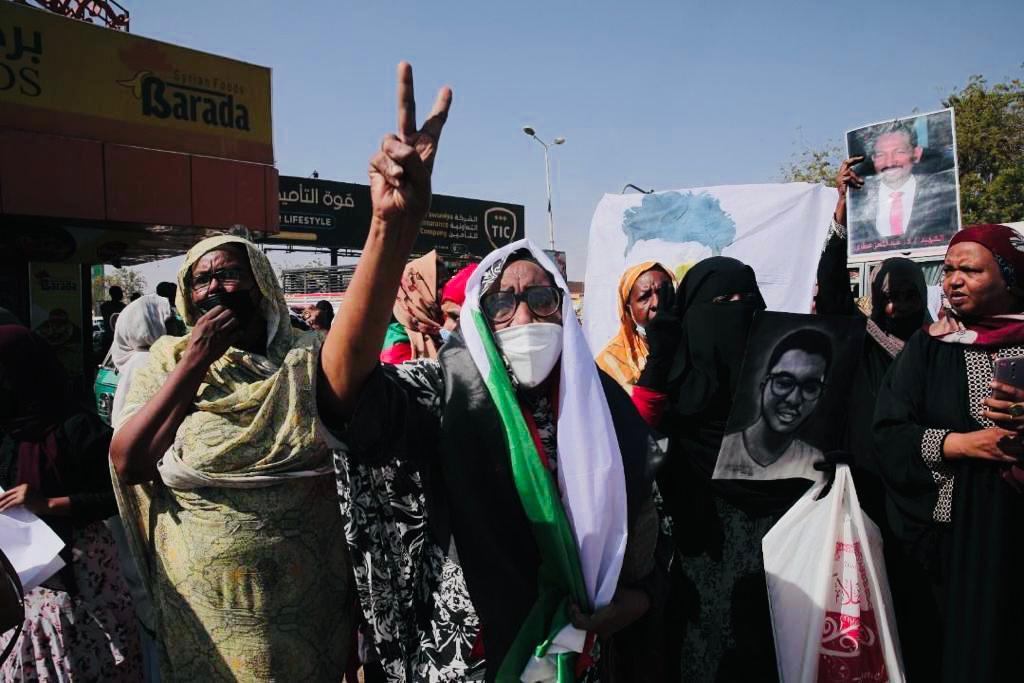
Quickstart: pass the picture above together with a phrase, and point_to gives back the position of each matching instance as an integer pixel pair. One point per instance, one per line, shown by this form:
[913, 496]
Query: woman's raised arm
[400, 189]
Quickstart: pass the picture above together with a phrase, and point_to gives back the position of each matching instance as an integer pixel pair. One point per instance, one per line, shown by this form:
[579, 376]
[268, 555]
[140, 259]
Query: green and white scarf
[579, 521]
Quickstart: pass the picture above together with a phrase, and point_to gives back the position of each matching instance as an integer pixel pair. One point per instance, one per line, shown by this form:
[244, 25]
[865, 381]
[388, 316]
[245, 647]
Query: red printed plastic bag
[828, 592]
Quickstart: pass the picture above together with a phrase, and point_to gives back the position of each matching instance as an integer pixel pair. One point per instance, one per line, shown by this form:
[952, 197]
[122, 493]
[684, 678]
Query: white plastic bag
[829, 596]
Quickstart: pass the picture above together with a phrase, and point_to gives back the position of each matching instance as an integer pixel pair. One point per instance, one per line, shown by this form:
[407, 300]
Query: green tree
[990, 149]
[814, 165]
[128, 279]
[990, 152]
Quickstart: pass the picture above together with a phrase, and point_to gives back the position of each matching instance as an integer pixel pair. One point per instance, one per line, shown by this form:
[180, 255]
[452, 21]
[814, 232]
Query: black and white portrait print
[788, 409]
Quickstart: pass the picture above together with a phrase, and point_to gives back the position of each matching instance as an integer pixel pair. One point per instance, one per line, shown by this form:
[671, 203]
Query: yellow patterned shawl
[244, 551]
[624, 357]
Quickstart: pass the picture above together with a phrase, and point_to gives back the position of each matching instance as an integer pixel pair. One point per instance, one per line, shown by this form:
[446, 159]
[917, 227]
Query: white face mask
[640, 330]
[532, 350]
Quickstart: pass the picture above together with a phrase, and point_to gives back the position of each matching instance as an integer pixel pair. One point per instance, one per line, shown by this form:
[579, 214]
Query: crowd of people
[443, 484]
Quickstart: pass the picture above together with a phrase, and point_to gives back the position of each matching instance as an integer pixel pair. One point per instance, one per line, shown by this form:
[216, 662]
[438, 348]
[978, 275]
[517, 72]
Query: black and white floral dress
[412, 592]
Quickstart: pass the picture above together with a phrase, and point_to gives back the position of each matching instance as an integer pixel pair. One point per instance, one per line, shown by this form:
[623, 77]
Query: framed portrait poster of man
[909, 204]
[790, 403]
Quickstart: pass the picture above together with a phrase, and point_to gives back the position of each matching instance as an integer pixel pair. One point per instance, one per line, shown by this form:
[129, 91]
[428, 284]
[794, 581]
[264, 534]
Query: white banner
[777, 229]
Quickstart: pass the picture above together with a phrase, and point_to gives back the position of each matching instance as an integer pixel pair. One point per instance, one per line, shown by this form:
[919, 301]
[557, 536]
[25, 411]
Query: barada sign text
[164, 100]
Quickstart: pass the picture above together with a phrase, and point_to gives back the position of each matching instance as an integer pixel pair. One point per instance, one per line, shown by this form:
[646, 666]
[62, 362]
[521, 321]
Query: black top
[960, 518]
[835, 298]
[107, 311]
[82, 474]
[84, 444]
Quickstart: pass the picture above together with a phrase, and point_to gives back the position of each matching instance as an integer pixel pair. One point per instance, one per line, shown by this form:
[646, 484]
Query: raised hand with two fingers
[400, 172]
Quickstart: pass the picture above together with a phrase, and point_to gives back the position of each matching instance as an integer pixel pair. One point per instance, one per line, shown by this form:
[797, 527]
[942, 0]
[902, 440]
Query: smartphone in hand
[1009, 371]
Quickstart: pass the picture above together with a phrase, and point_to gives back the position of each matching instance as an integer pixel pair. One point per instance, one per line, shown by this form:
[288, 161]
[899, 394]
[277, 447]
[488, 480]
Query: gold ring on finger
[1016, 409]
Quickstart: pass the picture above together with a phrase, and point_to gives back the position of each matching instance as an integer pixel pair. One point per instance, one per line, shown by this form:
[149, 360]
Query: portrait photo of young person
[788, 408]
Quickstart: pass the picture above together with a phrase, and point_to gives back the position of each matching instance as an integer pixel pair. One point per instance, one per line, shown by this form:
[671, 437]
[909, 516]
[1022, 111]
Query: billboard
[329, 214]
[68, 77]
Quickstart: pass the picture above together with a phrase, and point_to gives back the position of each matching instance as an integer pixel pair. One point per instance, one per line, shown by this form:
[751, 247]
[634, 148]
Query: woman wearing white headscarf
[533, 461]
[141, 323]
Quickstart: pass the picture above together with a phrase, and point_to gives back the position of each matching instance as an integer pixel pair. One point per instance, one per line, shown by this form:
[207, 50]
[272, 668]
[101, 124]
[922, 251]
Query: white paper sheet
[31, 546]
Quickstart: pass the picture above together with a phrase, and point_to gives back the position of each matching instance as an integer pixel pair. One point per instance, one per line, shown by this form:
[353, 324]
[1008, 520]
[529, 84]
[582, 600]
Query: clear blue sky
[661, 94]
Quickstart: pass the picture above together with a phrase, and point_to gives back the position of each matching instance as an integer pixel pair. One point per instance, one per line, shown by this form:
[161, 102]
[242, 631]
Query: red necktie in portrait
[896, 214]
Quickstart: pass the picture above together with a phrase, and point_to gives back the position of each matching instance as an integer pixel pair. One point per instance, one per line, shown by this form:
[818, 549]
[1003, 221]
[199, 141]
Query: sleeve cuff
[835, 230]
[931, 446]
[942, 474]
[649, 403]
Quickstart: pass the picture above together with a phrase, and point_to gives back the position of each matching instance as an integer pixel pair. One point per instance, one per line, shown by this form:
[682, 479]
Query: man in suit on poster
[898, 206]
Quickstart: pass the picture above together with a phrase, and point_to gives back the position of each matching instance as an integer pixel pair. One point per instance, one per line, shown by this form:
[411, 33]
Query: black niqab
[899, 271]
[707, 366]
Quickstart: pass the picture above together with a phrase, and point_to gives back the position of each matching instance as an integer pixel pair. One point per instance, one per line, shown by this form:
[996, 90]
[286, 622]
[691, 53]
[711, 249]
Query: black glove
[664, 332]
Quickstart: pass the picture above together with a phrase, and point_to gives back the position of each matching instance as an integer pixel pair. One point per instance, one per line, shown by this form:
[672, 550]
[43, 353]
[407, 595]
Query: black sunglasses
[542, 300]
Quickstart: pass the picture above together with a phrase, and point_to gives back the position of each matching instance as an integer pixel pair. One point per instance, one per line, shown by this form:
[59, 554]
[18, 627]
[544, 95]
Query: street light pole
[547, 178]
[551, 215]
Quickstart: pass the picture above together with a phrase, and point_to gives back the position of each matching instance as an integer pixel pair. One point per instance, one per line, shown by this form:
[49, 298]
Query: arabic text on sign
[337, 201]
[18, 47]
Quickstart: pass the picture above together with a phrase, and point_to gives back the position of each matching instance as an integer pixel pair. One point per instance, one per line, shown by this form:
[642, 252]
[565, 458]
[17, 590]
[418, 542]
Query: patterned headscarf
[416, 305]
[272, 307]
[254, 419]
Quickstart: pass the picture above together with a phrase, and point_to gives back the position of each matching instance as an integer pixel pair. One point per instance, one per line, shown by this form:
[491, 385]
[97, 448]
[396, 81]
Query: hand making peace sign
[400, 171]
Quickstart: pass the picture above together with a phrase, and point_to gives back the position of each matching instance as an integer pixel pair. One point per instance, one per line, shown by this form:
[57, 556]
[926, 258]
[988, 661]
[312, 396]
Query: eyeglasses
[782, 385]
[542, 300]
[202, 280]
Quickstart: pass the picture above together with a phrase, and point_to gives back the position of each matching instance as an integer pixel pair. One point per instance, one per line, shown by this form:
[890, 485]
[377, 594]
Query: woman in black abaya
[949, 441]
[899, 308]
[695, 359]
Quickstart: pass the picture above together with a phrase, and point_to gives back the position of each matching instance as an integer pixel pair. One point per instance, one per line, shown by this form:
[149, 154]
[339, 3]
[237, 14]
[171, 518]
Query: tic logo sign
[500, 226]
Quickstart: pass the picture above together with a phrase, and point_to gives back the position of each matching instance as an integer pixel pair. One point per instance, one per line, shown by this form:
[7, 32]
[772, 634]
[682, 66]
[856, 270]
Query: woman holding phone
[949, 438]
